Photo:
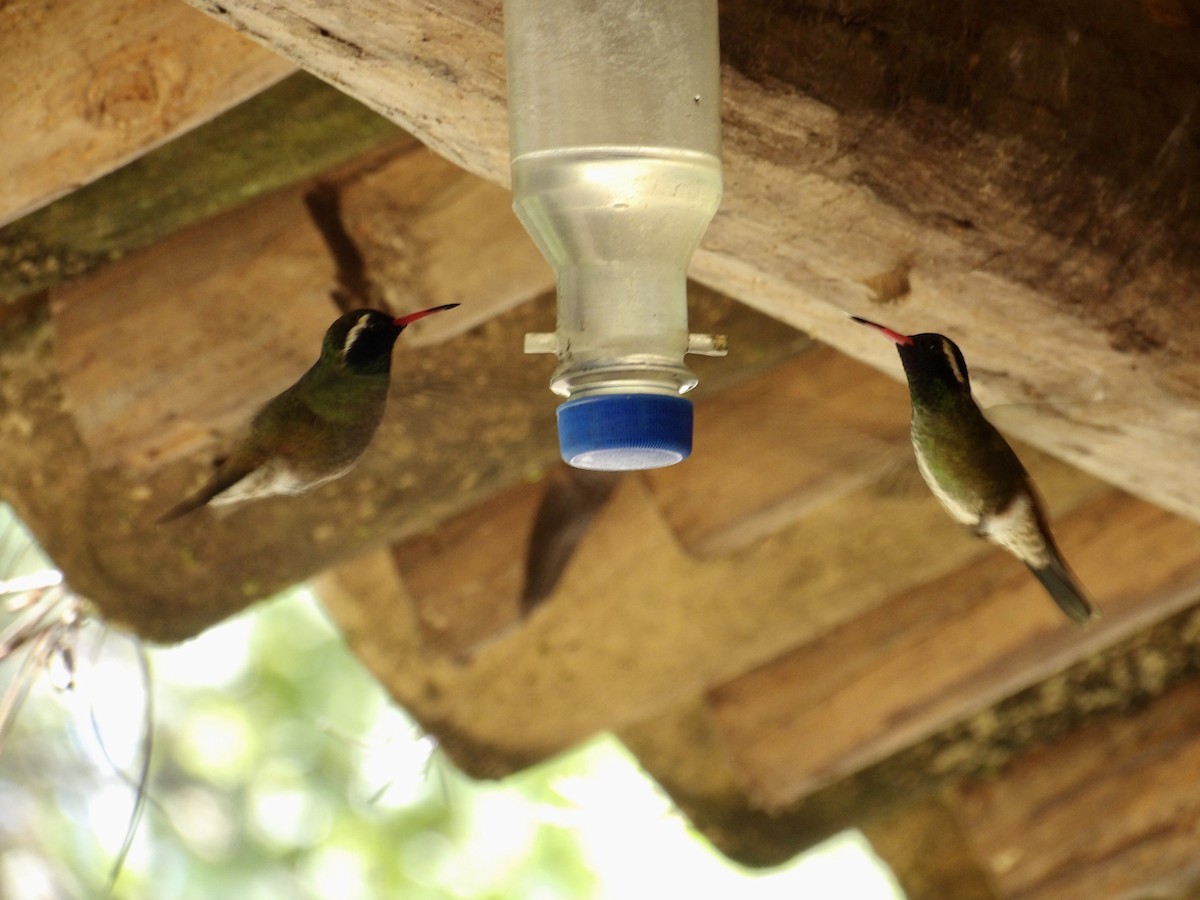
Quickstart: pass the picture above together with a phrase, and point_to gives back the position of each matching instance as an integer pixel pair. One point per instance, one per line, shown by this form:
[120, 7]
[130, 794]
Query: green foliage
[281, 773]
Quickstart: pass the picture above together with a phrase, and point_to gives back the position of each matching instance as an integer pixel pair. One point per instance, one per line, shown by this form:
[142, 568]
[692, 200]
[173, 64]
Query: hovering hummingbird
[971, 468]
[316, 430]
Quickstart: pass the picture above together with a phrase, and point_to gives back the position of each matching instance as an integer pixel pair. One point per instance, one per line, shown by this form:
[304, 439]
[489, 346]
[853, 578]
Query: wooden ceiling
[786, 629]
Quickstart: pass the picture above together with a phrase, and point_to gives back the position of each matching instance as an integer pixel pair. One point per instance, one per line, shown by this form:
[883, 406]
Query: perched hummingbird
[973, 471]
[316, 430]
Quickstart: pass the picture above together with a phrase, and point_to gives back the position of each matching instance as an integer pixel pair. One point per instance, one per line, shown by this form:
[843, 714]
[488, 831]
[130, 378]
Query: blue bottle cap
[623, 432]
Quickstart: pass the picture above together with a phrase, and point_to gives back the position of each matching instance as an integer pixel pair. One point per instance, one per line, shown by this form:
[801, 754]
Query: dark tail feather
[179, 510]
[1066, 590]
[224, 478]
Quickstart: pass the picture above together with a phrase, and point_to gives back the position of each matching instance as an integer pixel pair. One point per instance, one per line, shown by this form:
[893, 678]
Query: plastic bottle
[614, 113]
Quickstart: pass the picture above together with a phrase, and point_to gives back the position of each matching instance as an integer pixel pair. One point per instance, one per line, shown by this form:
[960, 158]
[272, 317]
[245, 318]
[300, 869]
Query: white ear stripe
[951, 357]
[352, 335]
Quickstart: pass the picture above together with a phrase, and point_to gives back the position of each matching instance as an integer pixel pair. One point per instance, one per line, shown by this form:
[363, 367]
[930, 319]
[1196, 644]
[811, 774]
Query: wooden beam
[906, 804]
[809, 434]
[430, 233]
[680, 750]
[159, 400]
[1103, 812]
[168, 584]
[88, 87]
[292, 131]
[837, 199]
[926, 850]
[422, 65]
[932, 655]
[220, 316]
[462, 599]
[223, 314]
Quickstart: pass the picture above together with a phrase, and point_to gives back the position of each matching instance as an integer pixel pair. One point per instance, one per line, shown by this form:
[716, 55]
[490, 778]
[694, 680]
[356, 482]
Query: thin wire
[38, 597]
[23, 681]
[11, 550]
[29, 623]
[143, 778]
[139, 804]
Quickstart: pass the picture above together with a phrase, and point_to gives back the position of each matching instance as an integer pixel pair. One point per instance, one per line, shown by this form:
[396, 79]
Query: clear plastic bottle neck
[615, 141]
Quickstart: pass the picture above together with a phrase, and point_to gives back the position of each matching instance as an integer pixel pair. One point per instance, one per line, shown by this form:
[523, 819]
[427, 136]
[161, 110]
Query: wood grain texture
[435, 68]
[927, 852]
[431, 233]
[1104, 812]
[932, 655]
[294, 130]
[778, 447]
[192, 369]
[462, 597]
[87, 87]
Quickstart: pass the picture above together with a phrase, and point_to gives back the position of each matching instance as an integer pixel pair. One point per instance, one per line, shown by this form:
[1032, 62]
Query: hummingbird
[971, 468]
[316, 430]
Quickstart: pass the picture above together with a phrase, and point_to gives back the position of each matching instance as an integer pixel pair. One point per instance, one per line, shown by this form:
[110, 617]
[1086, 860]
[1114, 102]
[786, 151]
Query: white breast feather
[273, 477]
[1016, 529]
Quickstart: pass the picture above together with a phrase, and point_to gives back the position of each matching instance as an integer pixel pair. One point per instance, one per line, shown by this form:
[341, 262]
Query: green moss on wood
[295, 130]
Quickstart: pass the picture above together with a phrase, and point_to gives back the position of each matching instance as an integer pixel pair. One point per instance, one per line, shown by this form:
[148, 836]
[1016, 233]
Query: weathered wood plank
[461, 597]
[837, 198]
[806, 436]
[926, 850]
[193, 368]
[930, 656]
[430, 233]
[434, 68]
[1107, 811]
[89, 86]
[295, 130]
[683, 750]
